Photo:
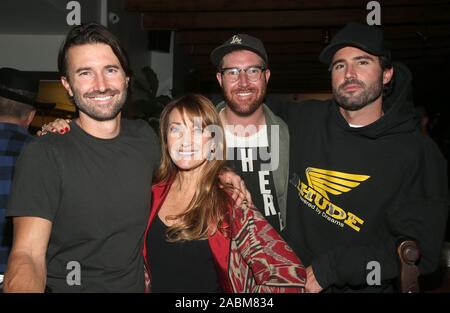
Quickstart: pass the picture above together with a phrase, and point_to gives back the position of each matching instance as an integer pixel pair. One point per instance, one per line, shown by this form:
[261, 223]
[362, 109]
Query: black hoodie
[355, 192]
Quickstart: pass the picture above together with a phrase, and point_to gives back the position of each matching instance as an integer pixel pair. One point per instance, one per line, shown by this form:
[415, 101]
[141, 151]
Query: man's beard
[356, 102]
[93, 111]
[247, 108]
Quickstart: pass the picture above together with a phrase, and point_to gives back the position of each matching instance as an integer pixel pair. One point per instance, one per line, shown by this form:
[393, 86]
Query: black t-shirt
[250, 158]
[179, 266]
[96, 193]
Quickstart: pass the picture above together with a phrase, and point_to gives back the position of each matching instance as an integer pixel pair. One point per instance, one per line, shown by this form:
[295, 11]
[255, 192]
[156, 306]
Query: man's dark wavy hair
[386, 63]
[89, 34]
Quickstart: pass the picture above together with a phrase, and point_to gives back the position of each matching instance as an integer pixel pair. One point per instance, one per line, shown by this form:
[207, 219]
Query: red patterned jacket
[255, 259]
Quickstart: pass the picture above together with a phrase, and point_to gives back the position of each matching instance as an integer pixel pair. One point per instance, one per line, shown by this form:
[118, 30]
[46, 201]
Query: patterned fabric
[12, 140]
[260, 260]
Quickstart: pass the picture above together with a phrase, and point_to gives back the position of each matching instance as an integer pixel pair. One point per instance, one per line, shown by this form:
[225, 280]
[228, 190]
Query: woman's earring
[211, 153]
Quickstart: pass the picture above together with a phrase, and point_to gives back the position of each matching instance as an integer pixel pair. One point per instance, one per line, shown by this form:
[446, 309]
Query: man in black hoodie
[363, 177]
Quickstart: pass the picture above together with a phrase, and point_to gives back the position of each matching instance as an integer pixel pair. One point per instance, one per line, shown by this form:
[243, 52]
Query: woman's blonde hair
[208, 208]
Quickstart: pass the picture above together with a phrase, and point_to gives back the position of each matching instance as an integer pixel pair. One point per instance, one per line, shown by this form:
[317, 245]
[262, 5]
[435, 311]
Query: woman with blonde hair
[196, 239]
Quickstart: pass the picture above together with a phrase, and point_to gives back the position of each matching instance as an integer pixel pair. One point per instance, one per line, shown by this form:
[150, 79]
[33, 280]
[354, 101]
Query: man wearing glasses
[257, 140]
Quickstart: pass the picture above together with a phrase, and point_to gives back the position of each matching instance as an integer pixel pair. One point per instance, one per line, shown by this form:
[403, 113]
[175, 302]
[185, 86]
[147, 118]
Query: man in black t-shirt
[80, 202]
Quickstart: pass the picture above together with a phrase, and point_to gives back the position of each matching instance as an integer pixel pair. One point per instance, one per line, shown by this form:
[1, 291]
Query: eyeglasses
[253, 73]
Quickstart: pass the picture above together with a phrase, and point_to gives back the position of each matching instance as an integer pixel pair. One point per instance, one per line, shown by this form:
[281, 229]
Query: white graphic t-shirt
[246, 155]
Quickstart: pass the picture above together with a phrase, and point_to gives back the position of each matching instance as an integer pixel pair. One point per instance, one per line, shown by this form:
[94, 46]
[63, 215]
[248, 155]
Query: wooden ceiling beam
[306, 35]
[260, 5]
[280, 19]
[267, 36]
[270, 48]
[273, 59]
[202, 52]
[416, 53]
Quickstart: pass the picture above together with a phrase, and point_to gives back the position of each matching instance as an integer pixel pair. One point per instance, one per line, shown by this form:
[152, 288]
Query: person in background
[17, 109]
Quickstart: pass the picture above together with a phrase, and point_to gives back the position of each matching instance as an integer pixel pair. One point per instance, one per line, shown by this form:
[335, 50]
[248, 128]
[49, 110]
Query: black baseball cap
[239, 42]
[364, 37]
[19, 86]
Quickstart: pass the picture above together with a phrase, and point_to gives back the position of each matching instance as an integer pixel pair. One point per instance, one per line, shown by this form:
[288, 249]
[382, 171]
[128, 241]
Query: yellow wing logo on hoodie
[333, 182]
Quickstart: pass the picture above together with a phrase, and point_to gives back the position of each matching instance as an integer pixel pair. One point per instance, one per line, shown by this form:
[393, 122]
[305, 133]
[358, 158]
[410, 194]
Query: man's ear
[29, 118]
[66, 85]
[387, 75]
[267, 73]
[219, 78]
